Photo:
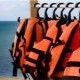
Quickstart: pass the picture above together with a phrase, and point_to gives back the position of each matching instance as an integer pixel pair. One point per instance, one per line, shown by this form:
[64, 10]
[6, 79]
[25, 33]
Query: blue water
[7, 31]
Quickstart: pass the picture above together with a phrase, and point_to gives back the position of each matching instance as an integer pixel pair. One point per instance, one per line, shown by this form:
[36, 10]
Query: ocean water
[7, 32]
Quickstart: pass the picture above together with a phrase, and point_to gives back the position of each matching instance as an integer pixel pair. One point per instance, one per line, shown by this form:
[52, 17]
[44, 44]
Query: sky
[10, 10]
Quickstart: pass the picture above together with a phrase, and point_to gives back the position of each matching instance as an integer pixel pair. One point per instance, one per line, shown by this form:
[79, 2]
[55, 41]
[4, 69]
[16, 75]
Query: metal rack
[37, 6]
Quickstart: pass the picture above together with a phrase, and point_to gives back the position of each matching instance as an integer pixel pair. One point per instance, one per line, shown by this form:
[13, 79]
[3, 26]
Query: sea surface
[7, 32]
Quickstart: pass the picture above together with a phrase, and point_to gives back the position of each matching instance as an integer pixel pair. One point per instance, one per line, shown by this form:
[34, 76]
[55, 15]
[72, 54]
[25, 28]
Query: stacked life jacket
[42, 46]
[37, 50]
[29, 32]
[56, 52]
[33, 34]
[67, 51]
[40, 49]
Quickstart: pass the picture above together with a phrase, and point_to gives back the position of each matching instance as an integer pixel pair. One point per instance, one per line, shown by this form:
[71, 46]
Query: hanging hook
[46, 15]
[67, 5]
[62, 12]
[35, 5]
[51, 5]
[69, 14]
[64, 17]
[77, 5]
[54, 16]
[43, 5]
[60, 4]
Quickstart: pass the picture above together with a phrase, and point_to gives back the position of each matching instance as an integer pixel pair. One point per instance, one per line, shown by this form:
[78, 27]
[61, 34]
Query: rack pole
[33, 10]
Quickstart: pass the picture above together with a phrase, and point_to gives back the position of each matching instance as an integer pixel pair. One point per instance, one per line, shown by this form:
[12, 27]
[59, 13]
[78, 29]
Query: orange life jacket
[41, 47]
[31, 28]
[72, 44]
[33, 34]
[57, 51]
[18, 36]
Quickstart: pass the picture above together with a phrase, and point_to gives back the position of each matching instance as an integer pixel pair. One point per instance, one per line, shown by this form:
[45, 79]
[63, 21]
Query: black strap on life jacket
[39, 52]
[46, 24]
[40, 23]
[38, 62]
[73, 64]
[48, 38]
[31, 60]
[59, 30]
[32, 38]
